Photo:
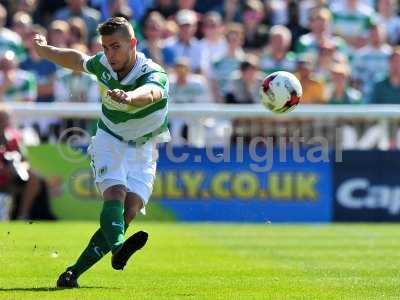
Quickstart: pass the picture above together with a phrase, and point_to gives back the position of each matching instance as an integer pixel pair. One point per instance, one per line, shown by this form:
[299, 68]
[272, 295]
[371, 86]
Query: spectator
[278, 11]
[186, 4]
[352, 20]
[78, 8]
[293, 24]
[43, 70]
[245, 86]
[340, 90]
[166, 8]
[222, 69]
[369, 3]
[45, 11]
[313, 89]
[214, 43]
[120, 8]
[231, 11]
[16, 85]
[78, 32]
[307, 7]
[21, 23]
[140, 7]
[186, 44]
[186, 87]
[256, 33]
[9, 40]
[24, 6]
[276, 55]
[29, 191]
[73, 86]
[153, 46]
[371, 62]
[205, 6]
[95, 45]
[107, 7]
[327, 55]
[387, 17]
[387, 91]
[319, 26]
[58, 34]
[171, 29]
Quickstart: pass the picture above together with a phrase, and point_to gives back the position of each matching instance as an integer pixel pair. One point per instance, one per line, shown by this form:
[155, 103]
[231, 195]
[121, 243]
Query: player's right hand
[39, 41]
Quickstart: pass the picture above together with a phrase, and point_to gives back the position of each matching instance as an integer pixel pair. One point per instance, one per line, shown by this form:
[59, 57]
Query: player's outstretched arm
[141, 96]
[67, 58]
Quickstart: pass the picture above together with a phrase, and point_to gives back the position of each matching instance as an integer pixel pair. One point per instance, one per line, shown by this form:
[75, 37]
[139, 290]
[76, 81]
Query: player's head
[119, 43]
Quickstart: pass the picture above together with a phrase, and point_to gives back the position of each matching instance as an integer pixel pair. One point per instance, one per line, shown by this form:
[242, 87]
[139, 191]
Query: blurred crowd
[343, 51]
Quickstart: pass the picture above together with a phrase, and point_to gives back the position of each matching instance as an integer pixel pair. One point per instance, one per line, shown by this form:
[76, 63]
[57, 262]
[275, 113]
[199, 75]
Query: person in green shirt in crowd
[340, 90]
[387, 91]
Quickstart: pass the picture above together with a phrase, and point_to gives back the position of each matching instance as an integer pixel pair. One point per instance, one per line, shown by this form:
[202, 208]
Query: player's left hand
[119, 96]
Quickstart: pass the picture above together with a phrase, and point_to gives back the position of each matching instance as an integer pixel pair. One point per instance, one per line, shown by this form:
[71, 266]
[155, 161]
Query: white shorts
[116, 163]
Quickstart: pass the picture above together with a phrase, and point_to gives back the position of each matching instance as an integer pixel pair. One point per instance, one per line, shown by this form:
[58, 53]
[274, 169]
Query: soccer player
[134, 92]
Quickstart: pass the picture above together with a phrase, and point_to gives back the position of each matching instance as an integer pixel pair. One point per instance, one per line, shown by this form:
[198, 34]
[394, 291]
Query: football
[280, 92]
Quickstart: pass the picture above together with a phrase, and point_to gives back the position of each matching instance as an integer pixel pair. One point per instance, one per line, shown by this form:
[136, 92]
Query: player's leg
[98, 246]
[133, 204]
[141, 165]
[109, 236]
[106, 154]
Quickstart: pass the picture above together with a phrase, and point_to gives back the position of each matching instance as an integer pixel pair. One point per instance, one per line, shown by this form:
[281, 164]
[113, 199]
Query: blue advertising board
[367, 186]
[237, 185]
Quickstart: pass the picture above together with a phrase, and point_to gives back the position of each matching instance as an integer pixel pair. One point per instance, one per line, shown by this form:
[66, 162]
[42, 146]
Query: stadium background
[344, 52]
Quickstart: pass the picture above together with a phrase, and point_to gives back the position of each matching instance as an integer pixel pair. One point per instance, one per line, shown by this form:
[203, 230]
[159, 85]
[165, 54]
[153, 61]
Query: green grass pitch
[208, 261]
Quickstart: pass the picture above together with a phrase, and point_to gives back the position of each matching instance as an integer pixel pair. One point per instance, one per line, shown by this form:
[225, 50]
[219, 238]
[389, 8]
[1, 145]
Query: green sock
[95, 250]
[112, 223]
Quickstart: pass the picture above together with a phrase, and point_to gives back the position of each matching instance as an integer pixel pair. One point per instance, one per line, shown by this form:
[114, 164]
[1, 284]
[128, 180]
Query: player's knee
[117, 192]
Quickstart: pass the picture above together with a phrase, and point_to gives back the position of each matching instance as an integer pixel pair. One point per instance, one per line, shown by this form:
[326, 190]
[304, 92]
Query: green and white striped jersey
[348, 23]
[24, 88]
[127, 122]
[9, 40]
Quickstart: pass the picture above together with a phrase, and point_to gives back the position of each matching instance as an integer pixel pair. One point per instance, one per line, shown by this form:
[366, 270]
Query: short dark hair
[116, 24]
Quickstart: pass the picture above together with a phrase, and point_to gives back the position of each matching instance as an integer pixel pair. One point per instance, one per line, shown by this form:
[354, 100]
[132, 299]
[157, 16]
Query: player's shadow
[50, 289]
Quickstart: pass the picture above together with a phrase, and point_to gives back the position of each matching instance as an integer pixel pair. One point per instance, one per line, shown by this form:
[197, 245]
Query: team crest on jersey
[106, 76]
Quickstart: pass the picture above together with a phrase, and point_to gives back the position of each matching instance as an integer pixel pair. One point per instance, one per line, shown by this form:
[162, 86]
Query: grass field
[209, 261]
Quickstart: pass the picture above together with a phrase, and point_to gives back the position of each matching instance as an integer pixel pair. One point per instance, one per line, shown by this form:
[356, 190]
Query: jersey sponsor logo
[144, 68]
[106, 76]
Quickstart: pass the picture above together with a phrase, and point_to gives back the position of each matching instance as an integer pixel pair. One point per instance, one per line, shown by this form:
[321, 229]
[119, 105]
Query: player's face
[119, 50]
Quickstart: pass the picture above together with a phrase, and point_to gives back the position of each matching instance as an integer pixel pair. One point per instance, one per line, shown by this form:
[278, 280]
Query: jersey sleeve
[159, 79]
[90, 63]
